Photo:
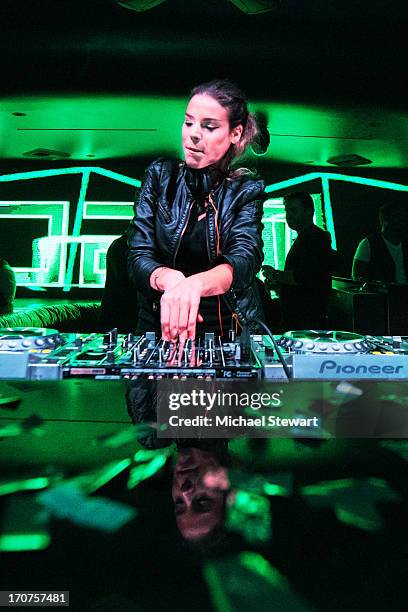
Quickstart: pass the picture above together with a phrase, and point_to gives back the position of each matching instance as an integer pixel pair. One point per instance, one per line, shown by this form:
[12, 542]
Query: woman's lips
[193, 150]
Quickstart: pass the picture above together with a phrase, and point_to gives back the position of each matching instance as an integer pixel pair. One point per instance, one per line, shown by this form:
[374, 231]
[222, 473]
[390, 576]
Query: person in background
[383, 256]
[119, 304]
[304, 285]
[7, 287]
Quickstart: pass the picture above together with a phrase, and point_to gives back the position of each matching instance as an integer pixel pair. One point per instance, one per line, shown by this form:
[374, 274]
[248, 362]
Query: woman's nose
[195, 132]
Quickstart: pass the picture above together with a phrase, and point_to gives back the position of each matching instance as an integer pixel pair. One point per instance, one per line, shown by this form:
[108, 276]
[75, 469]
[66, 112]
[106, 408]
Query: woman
[196, 234]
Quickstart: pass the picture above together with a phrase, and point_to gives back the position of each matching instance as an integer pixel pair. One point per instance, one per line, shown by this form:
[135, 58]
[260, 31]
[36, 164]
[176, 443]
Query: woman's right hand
[179, 310]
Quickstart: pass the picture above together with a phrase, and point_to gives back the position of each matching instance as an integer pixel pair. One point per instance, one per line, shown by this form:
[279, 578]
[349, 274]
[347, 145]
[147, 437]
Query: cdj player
[46, 354]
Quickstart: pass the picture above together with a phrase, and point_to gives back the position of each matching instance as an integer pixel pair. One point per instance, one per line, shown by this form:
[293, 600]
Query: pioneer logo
[330, 366]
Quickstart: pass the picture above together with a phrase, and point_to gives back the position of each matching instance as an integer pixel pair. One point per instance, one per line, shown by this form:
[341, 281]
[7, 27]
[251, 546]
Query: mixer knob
[298, 344]
[39, 342]
[12, 344]
[358, 346]
[26, 343]
[309, 346]
[336, 347]
[348, 347]
[322, 347]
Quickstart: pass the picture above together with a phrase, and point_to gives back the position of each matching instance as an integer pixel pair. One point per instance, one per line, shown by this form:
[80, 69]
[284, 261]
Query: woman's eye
[188, 123]
[210, 127]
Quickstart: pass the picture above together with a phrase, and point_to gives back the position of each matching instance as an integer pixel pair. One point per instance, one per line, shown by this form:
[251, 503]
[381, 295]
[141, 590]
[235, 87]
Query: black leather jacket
[161, 214]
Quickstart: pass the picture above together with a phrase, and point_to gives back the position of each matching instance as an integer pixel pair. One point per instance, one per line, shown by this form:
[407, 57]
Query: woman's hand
[179, 309]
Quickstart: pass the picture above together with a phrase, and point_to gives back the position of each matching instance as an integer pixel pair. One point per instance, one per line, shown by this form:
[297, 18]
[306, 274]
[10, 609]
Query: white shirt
[363, 253]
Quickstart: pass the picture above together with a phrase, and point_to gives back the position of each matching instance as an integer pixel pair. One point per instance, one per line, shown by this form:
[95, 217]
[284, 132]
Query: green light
[28, 484]
[114, 211]
[44, 270]
[26, 176]
[328, 212]
[21, 542]
[215, 584]
[145, 470]
[297, 180]
[76, 230]
[325, 488]
[257, 564]
[92, 481]
[312, 176]
[274, 489]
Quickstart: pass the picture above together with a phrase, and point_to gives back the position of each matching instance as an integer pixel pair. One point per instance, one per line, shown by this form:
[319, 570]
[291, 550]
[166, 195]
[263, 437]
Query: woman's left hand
[179, 310]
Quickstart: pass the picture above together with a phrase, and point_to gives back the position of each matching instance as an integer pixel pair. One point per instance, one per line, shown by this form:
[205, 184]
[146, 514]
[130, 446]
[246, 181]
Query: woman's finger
[165, 318]
[174, 304]
[192, 319]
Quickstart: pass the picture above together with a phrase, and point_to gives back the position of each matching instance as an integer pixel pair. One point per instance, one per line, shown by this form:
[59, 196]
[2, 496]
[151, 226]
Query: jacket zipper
[182, 233]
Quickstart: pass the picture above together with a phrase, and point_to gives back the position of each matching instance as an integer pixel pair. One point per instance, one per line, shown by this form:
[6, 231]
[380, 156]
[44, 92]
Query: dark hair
[233, 99]
[303, 197]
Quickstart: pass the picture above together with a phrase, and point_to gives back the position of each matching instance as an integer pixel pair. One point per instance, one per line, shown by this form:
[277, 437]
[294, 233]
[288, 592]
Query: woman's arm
[243, 248]
[143, 257]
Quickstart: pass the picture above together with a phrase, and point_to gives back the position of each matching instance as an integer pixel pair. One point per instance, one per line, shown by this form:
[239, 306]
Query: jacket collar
[202, 182]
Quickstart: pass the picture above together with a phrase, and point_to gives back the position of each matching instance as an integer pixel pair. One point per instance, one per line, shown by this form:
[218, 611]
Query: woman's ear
[236, 134]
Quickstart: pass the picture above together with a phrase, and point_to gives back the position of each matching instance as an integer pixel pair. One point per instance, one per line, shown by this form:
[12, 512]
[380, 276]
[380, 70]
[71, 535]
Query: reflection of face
[296, 216]
[206, 134]
[198, 508]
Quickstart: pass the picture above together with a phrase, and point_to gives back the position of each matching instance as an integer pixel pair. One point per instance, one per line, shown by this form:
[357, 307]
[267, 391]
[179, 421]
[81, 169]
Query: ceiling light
[139, 5]
[255, 7]
[349, 160]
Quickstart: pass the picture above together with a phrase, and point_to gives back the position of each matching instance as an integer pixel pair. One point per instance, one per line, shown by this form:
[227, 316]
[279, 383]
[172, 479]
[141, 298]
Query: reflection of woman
[196, 234]
[199, 508]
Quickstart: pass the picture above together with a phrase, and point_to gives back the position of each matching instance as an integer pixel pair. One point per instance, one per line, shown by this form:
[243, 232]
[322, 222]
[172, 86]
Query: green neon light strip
[328, 212]
[19, 542]
[76, 231]
[25, 176]
[359, 180]
[6, 488]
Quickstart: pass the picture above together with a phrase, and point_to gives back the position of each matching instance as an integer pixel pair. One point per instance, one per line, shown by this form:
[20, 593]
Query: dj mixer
[46, 354]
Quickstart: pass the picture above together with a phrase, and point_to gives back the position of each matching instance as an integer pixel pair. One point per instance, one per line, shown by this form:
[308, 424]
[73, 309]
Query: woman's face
[206, 133]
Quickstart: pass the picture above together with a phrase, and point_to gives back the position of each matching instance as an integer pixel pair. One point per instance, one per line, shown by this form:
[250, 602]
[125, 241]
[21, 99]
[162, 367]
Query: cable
[275, 344]
[211, 201]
